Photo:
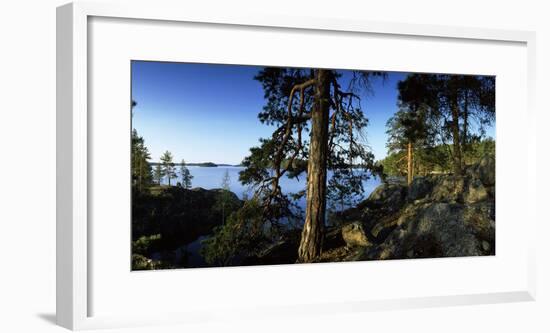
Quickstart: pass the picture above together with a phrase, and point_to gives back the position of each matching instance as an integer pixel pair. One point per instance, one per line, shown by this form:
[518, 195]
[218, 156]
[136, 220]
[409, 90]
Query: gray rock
[354, 235]
[486, 170]
[475, 192]
[448, 189]
[480, 219]
[390, 196]
[419, 188]
[437, 216]
[438, 230]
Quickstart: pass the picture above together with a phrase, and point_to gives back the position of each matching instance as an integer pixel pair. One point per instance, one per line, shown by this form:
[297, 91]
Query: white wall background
[27, 167]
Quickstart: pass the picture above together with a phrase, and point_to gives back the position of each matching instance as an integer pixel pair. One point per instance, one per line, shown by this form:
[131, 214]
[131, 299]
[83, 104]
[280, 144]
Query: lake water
[211, 178]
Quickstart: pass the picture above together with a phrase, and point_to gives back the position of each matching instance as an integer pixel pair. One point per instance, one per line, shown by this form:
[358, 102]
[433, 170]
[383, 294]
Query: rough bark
[313, 231]
[465, 127]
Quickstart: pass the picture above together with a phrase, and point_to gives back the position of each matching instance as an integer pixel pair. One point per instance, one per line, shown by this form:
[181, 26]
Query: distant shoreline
[203, 164]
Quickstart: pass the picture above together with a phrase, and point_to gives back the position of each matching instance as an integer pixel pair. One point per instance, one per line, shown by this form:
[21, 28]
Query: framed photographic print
[325, 182]
[226, 162]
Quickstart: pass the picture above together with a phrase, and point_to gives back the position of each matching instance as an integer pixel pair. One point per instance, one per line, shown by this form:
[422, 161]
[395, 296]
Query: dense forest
[436, 197]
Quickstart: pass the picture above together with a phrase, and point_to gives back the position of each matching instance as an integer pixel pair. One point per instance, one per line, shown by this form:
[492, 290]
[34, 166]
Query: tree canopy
[140, 168]
[436, 111]
[301, 102]
[168, 167]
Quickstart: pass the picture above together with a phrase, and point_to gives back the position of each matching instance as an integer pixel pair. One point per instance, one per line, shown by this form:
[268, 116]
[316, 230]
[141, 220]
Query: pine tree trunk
[465, 123]
[465, 127]
[313, 231]
[409, 164]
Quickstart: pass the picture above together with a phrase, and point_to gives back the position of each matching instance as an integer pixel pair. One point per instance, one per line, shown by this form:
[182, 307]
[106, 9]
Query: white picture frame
[74, 287]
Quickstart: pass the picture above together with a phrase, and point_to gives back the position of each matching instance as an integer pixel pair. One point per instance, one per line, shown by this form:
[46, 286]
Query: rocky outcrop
[438, 230]
[354, 235]
[180, 215]
[167, 219]
[436, 216]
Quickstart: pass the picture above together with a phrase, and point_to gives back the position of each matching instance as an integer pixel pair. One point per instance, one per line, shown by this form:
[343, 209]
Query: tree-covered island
[313, 188]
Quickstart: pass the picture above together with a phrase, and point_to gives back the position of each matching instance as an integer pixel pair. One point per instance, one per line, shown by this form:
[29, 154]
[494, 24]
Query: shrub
[237, 238]
[145, 245]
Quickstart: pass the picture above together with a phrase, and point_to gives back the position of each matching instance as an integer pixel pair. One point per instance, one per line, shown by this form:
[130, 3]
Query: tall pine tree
[298, 102]
[168, 167]
[141, 169]
[186, 176]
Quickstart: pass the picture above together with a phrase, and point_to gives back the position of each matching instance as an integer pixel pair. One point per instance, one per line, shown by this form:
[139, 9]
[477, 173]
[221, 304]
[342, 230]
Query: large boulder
[180, 215]
[442, 216]
[475, 191]
[383, 203]
[354, 235]
[390, 196]
[448, 189]
[486, 170]
[420, 188]
[439, 230]
[480, 219]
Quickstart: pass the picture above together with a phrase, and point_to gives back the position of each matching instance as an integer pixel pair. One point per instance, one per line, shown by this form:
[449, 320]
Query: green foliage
[436, 114]
[238, 237]
[177, 215]
[289, 99]
[203, 164]
[145, 245]
[340, 193]
[224, 202]
[168, 167]
[141, 169]
[258, 174]
[344, 188]
[226, 181]
[158, 174]
[277, 84]
[140, 262]
[478, 149]
[257, 164]
[186, 176]
[415, 121]
[437, 159]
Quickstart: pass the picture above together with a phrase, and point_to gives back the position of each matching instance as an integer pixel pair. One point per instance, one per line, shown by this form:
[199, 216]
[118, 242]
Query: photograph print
[237, 165]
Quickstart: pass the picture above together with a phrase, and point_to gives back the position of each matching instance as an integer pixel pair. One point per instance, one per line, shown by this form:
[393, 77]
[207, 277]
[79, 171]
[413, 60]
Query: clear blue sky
[209, 113]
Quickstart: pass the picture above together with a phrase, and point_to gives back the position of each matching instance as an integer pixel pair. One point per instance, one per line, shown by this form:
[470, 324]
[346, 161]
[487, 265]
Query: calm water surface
[211, 178]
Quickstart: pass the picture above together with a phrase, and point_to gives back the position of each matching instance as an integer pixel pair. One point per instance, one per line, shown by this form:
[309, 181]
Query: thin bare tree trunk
[313, 231]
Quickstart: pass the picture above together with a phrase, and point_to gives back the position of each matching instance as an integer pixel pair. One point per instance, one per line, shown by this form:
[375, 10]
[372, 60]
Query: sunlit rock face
[436, 216]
